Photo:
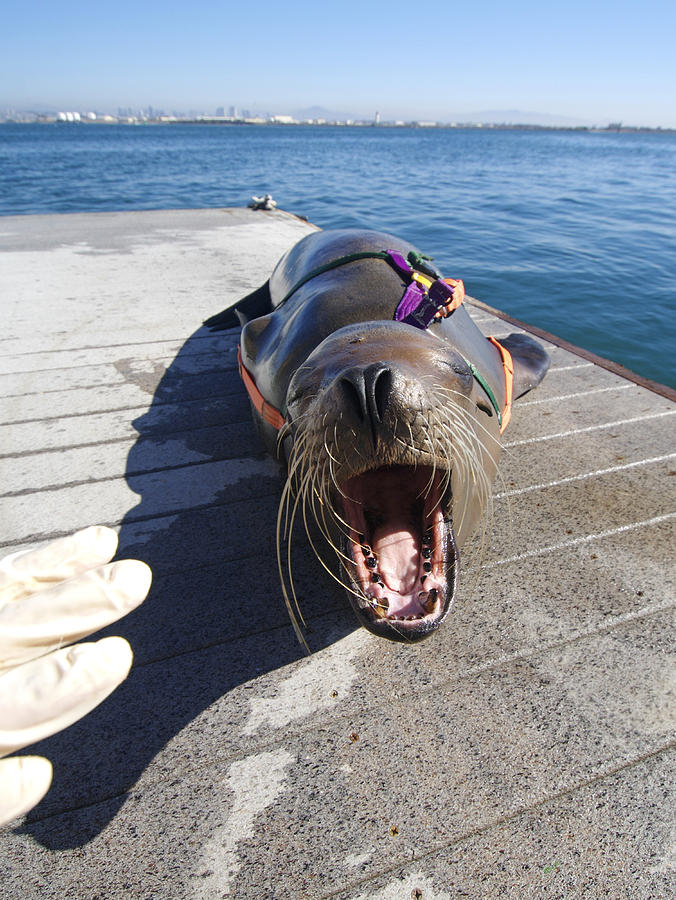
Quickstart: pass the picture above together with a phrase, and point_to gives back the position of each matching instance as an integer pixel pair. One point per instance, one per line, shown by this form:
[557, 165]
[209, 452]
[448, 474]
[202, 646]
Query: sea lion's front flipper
[530, 359]
[255, 304]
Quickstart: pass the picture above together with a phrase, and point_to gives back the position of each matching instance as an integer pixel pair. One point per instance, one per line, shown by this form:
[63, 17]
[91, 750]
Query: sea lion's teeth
[427, 566]
[371, 562]
[379, 607]
[375, 577]
[427, 538]
[366, 550]
[429, 605]
[426, 552]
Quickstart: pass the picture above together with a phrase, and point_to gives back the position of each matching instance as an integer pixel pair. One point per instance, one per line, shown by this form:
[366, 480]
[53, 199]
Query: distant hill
[321, 112]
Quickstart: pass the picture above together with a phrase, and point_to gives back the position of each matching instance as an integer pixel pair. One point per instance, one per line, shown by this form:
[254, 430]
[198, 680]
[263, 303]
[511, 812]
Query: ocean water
[572, 231]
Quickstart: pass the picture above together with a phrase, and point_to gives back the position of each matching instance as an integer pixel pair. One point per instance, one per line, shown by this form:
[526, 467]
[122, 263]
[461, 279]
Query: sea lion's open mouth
[403, 550]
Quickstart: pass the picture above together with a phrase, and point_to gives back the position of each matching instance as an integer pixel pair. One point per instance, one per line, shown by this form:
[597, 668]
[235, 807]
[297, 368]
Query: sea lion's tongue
[397, 547]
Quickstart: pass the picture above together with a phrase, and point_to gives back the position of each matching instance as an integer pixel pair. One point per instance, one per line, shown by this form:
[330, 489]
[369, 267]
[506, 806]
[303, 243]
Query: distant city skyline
[582, 63]
[310, 116]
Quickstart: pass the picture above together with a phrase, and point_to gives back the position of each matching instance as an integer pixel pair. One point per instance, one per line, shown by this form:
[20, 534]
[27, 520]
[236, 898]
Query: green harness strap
[480, 380]
[335, 264]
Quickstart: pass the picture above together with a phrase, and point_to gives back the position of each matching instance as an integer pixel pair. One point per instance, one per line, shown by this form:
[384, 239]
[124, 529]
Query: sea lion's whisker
[282, 577]
[325, 532]
[314, 489]
[410, 433]
[329, 454]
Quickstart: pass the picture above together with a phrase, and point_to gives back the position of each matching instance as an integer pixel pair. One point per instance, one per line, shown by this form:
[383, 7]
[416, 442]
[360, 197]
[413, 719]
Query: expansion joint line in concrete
[178, 341]
[488, 666]
[573, 367]
[575, 542]
[100, 385]
[50, 488]
[131, 439]
[583, 476]
[577, 394]
[130, 519]
[142, 409]
[619, 423]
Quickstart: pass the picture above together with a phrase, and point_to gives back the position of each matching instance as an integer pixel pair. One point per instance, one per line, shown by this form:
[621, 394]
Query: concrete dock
[526, 750]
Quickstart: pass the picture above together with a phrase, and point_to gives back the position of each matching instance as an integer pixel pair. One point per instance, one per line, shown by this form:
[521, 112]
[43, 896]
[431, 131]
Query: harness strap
[481, 381]
[508, 367]
[335, 264]
[266, 410]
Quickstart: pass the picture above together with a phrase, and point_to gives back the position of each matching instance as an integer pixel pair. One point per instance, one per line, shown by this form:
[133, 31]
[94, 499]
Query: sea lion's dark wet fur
[391, 442]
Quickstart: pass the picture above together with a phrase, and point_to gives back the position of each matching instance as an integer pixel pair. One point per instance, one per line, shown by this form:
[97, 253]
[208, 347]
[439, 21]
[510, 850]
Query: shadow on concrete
[214, 618]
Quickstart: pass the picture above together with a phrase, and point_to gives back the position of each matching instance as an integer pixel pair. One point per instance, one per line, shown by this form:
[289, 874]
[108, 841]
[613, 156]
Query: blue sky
[593, 62]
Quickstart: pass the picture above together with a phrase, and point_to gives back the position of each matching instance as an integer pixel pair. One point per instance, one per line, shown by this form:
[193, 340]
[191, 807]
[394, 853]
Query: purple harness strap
[418, 306]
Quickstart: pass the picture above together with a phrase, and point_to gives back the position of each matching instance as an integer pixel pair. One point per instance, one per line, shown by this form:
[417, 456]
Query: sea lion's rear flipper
[530, 359]
[255, 304]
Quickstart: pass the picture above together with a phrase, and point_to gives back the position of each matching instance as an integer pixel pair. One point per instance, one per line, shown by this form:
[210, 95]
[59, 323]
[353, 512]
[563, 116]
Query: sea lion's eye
[294, 397]
[461, 370]
[484, 407]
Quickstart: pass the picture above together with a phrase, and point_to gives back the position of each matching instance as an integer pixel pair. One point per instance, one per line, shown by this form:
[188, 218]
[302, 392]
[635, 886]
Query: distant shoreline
[267, 123]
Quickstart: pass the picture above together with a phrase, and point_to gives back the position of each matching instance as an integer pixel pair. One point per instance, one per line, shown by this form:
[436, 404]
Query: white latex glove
[49, 598]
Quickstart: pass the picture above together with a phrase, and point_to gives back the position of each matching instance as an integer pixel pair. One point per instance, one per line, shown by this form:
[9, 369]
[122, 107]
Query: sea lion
[368, 376]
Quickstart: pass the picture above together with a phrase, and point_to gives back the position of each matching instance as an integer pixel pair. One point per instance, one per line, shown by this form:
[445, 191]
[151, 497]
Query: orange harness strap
[266, 410]
[508, 366]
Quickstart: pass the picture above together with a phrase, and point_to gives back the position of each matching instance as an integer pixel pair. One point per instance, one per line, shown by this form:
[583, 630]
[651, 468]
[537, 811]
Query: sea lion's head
[393, 452]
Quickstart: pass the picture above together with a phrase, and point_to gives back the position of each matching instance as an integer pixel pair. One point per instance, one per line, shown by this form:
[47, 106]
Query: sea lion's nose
[366, 392]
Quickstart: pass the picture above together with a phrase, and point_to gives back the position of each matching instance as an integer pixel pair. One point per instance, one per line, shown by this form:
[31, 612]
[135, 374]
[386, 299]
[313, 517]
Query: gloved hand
[49, 598]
